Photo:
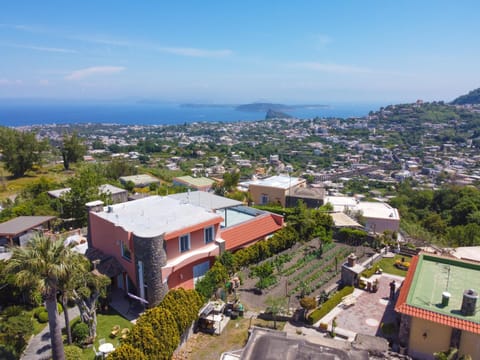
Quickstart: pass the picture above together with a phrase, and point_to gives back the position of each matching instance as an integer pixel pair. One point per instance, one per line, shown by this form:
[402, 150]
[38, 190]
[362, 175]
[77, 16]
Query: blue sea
[24, 114]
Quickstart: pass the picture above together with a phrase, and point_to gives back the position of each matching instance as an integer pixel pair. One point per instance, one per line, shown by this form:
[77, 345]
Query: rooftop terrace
[435, 275]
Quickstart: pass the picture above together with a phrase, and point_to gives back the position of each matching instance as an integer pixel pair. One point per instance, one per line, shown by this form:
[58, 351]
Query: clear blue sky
[240, 51]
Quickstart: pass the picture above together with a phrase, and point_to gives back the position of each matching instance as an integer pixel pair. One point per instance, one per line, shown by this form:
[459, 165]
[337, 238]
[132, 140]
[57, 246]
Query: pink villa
[168, 242]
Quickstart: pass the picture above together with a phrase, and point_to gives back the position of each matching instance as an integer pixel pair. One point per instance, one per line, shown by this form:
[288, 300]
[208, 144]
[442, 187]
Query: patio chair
[125, 332]
[115, 331]
[98, 354]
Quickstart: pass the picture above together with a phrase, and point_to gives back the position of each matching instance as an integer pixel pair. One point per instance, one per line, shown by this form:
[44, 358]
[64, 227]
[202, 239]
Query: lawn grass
[105, 323]
[388, 265]
[10, 187]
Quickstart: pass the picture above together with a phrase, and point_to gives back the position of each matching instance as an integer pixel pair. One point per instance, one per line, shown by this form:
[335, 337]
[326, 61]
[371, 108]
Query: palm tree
[68, 285]
[44, 263]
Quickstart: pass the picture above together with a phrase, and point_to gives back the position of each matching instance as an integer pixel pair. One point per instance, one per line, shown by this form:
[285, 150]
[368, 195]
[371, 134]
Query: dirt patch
[202, 346]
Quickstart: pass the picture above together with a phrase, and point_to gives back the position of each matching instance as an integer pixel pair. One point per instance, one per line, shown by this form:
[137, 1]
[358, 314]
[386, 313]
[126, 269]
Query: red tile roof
[246, 233]
[402, 307]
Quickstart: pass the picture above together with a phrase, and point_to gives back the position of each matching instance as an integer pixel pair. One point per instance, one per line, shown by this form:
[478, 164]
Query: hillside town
[282, 238]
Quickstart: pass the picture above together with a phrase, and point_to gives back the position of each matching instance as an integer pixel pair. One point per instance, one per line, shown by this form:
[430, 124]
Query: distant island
[273, 114]
[200, 106]
[264, 107]
[473, 97]
[256, 107]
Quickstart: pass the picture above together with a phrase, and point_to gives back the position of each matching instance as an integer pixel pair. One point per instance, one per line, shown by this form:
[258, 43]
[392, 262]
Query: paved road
[39, 347]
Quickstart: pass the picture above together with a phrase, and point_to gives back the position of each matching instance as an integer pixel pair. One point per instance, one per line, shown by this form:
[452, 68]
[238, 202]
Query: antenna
[448, 277]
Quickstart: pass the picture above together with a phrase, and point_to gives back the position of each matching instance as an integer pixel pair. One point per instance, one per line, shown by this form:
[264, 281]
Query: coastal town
[389, 145]
[281, 236]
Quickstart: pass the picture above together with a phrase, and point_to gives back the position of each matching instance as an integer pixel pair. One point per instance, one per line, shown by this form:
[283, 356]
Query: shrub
[42, 317]
[13, 310]
[155, 334]
[370, 271]
[126, 352]
[328, 305]
[7, 352]
[323, 326]
[16, 330]
[39, 310]
[183, 305]
[80, 332]
[308, 303]
[72, 352]
[266, 282]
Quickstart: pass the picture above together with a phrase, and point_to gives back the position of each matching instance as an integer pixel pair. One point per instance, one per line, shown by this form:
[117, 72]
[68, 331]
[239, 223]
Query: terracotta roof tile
[246, 233]
[402, 307]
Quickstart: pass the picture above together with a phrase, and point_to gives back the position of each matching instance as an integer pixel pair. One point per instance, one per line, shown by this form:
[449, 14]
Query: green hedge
[370, 271]
[156, 334]
[328, 305]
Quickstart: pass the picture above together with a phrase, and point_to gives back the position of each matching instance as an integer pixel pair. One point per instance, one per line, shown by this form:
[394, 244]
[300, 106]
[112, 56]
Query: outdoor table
[106, 348]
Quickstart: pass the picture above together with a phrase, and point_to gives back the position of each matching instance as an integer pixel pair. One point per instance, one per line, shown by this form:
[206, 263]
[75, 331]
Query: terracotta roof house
[242, 225]
[438, 303]
[161, 243]
[169, 242]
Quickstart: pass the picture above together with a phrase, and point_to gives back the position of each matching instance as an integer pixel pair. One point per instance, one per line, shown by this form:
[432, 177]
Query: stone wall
[404, 331]
[150, 251]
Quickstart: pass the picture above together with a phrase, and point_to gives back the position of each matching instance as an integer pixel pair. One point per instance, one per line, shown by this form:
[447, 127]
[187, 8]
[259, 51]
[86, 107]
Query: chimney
[351, 260]
[469, 302]
[93, 206]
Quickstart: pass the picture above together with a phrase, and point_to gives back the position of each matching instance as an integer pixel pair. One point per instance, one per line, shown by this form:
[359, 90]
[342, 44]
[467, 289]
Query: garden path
[39, 346]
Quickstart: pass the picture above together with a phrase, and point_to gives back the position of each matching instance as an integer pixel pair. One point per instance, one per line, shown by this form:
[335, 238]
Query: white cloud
[43, 48]
[44, 82]
[195, 52]
[10, 82]
[103, 40]
[94, 70]
[333, 68]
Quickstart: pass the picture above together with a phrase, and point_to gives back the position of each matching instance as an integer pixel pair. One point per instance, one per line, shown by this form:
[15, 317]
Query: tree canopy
[44, 264]
[21, 151]
[72, 149]
[450, 215]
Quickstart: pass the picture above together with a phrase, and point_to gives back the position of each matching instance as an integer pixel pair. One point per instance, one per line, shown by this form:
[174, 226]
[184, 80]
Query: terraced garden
[301, 270]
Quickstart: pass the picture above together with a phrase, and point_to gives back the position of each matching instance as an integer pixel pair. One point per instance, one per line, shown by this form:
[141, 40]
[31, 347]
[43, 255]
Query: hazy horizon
[222, 52]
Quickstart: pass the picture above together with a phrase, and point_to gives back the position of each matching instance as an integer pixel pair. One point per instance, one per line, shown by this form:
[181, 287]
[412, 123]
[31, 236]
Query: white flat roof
[467, 253]
[369, 209]
[155, 215]
[107, 188]
[59, 192]
[341, 219]
[104, 189]
[279, 181]
[206, 200]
